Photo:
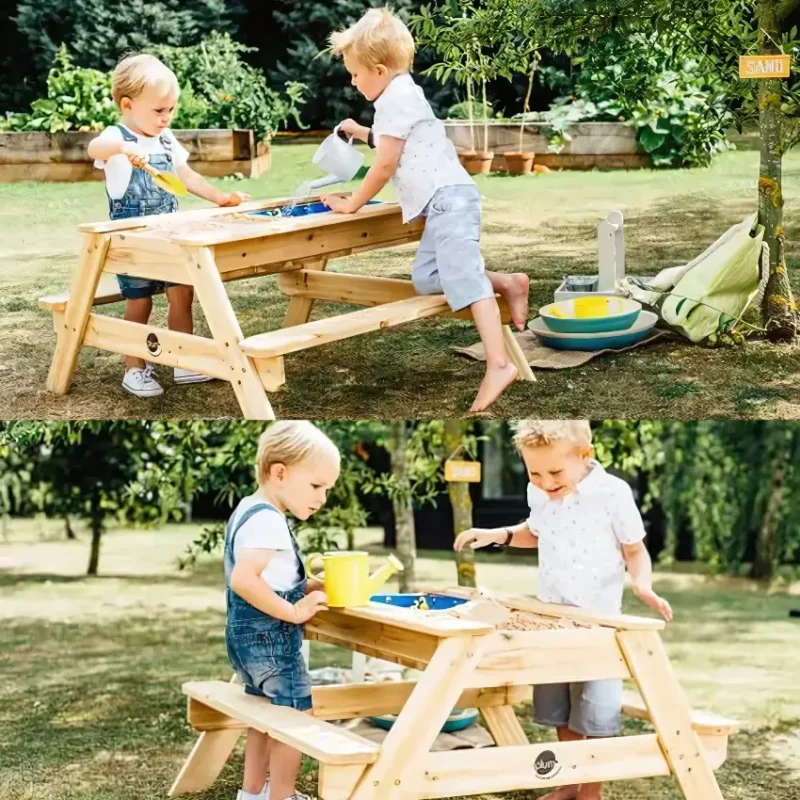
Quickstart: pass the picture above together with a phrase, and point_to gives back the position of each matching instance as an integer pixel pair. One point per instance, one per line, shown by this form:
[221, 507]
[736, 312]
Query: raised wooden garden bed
[35, 156]
[603, 145]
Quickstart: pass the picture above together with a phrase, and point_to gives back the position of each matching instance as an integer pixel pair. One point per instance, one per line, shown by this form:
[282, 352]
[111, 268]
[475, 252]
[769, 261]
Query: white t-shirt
[581, 538]
[429, 160]
[118, 168]
[268, 530]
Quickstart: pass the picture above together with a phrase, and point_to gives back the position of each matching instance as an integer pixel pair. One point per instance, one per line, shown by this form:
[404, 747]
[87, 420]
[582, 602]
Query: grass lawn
[544, 225]
[90, 702]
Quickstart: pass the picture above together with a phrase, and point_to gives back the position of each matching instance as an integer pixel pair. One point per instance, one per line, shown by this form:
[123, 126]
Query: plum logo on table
[153, 345]
[546, 765]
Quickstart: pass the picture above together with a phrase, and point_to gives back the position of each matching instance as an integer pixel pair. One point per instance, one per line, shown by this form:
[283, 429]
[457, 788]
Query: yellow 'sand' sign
[764, 66]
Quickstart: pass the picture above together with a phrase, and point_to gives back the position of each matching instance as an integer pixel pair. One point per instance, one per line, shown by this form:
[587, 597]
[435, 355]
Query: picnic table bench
[467, 663]
[208, 248]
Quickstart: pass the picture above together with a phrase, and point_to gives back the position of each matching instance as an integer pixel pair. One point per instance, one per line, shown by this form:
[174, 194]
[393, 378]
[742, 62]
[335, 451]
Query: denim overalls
[264, 651]
[141, 199]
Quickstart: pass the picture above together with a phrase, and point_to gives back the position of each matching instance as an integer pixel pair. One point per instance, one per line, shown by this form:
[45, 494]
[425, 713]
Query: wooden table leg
[76, 315]
[517, 356]
[670, 714]
[299, 310]
[396, 775]
[227, 334]
[204, 764]
[503, 725]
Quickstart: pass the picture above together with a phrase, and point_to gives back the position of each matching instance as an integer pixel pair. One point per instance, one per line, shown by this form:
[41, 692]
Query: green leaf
[651, 141]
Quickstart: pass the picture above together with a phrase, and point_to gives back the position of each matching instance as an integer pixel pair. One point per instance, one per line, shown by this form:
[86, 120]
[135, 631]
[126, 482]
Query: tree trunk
[767, 543]
[70, 534]
[350, 533]
[779, 309]
[461, 502]
[94, 553]
[405, 534]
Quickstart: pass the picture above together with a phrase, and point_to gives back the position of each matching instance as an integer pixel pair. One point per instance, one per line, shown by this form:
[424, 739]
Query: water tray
[299, 210]
[435, 602]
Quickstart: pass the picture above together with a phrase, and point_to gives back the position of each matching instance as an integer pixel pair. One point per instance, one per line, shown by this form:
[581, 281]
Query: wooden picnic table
[206, 249]
[467, 663]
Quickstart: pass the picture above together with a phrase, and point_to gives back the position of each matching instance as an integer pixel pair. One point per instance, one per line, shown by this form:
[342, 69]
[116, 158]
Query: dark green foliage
[306, 28]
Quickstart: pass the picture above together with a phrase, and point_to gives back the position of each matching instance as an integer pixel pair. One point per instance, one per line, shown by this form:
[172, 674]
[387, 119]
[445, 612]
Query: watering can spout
[381, 575]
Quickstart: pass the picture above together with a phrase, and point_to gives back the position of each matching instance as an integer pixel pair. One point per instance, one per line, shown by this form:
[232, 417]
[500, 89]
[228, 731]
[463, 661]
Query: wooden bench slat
[107, 292]
[703, 722]
[312, 736]
[331, 329]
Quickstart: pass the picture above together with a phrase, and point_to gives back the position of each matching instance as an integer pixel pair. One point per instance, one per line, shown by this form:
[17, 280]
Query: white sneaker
[190, 376]
[141, 383]
[262, 795]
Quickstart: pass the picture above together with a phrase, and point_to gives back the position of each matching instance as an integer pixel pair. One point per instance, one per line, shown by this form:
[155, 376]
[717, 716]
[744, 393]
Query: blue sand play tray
[457, 721]
[300, 210]
[595, 341]
[435, 602]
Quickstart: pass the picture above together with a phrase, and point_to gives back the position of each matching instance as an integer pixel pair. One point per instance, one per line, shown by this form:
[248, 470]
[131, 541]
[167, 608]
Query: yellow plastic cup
[588, 307]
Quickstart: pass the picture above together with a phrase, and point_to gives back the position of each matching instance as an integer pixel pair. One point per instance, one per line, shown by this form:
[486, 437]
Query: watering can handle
[336, 133]
[310, 559]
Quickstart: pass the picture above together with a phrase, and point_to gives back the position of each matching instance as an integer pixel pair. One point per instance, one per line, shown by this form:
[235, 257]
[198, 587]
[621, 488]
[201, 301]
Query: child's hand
[337, 203]
[478, 537]
[232, 199]
[650, 598]
[352, 128]
[135, 153]
[306, 608]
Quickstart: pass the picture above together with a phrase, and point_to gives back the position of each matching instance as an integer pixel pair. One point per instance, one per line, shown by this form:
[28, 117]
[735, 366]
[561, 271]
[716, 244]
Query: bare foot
[562, 793]
[590, 791]
[516, 295]
[494, 383]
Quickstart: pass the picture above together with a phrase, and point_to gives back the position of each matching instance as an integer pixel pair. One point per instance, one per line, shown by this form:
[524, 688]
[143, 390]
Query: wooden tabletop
[210, 226]
[434, 623]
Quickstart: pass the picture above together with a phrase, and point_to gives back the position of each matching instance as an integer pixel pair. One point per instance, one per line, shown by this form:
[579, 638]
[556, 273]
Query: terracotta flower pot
[519, 163]
[477, 162]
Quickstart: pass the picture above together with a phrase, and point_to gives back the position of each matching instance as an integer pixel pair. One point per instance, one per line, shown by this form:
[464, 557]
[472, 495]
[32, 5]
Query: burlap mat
[546, 358]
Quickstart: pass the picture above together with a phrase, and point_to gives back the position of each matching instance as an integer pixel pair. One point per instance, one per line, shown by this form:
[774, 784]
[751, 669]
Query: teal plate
[560, 317]
[604, 340]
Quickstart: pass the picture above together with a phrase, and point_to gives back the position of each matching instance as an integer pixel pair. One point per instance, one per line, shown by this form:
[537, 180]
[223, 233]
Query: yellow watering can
[346, 576]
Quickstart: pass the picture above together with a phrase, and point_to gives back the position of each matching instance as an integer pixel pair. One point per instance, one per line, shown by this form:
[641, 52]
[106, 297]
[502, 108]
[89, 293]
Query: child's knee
[180, 295]
[426, 284]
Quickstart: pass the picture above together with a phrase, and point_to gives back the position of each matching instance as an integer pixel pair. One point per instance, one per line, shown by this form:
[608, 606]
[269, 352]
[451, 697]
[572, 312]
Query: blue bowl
[603, 340]
[436, 602]
[457, 721]
[620, 314]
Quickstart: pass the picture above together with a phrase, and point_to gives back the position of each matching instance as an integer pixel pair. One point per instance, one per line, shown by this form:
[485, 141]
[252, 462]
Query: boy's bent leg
[515, 289]
[551, 706]
[500, 372]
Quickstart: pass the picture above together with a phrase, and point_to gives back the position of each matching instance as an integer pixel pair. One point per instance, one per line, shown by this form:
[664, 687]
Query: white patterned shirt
[581, 538]
[429, 160]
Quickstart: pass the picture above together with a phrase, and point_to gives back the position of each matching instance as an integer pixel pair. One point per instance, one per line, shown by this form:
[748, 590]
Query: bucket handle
[336, 133]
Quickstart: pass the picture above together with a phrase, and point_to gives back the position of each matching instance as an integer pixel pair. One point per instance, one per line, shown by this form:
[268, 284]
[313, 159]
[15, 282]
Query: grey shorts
[449, 258]
[591, 708]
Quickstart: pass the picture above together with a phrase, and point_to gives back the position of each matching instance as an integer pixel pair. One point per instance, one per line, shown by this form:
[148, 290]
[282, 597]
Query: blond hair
[135, 73]
[379, 37]
[538, 432]
[291, 442]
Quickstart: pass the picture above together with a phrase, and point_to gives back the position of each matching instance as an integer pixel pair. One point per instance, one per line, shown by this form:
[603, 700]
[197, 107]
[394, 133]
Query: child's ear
[587, 453]
[125, 104]
[278, 471]
[382, 70]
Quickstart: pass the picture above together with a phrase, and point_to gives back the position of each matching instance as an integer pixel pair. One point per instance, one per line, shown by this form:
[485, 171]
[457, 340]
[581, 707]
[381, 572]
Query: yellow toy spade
[167, 181]
[347, 579]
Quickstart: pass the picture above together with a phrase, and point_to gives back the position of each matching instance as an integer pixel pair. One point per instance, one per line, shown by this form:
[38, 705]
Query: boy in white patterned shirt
[588, 530]
[414, 152]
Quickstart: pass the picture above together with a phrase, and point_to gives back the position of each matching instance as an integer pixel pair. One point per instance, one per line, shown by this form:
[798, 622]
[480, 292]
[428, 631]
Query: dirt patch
[528, 621]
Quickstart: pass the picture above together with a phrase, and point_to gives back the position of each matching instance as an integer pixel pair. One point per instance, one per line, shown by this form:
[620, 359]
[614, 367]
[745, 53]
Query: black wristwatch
[507, 542]
[371, 139]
